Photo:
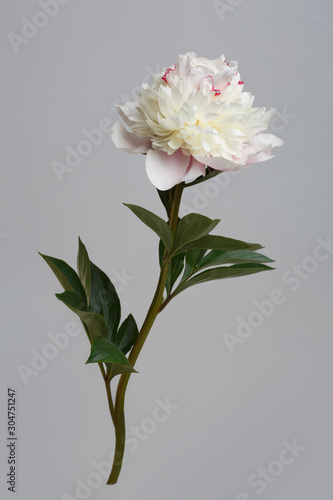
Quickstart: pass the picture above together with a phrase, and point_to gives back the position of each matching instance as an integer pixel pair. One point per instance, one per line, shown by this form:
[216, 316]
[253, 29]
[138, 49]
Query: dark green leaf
[176, 267]
[192, 259]
[103, 351]
[95, 323]
[127, 334]
[213, 242]
[190, 228]
[209, 175]
[84, 269]
[67, 277]
[161, 249]
[155, 223]
[104, 300]
[217, 257]
[115, 369]
[218, 273]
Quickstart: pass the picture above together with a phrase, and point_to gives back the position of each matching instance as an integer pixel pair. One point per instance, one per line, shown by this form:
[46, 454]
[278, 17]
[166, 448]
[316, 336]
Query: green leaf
[213, 242]
[95, 323]
[175, 268]
[217, 257]
[84, 268]
[155, 223]
[190, 228]
[192, 259]
[218, 273]
[115, 369]
[104, 300]
[161, 248]
[209, 175]
[103, 351]
[67, 277]
[127, 334]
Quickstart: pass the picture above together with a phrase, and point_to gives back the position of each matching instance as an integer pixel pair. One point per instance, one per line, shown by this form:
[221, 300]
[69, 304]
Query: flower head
[195, 114]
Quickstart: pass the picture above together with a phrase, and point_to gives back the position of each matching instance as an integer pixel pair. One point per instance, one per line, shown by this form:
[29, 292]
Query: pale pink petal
[194, 170]
[165, 171]
[183, 65]
[262, 156]
[219, 163]
[258, 149]
[128, 141]
[225, 76]
[128, 110]
[269, 139]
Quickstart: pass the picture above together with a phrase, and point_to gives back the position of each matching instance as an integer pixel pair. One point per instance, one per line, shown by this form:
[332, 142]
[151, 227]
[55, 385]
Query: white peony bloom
[195, 114]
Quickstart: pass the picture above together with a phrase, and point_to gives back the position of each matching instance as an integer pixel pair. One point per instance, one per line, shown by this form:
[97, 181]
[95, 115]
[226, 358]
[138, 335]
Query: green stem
[110, 401]
[166, 302]
[108, 390]
[101, 367]
[146, 327]
[172, 295]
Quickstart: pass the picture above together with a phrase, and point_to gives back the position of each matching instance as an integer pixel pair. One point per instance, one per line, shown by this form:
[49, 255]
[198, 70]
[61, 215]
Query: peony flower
[195, 114]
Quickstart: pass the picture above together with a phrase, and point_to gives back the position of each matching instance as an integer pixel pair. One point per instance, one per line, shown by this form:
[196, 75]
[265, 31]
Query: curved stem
[146, 327]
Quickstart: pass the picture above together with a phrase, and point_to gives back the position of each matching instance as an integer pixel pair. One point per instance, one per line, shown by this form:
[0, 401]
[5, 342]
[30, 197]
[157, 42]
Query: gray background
[235, 410]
